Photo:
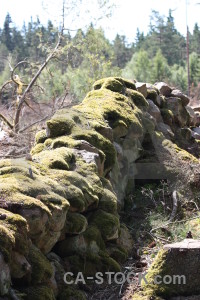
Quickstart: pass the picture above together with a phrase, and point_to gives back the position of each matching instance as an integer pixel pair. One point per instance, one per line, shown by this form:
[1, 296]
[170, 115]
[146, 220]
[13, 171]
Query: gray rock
[154, 111]
[197, 114]
[142, 88]
[193, 116]
[163, 88]
[5, 280]
[181, 116]
[183, 97]
[166, 130]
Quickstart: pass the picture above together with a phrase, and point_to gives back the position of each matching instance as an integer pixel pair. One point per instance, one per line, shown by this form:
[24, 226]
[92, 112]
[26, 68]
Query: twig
[28, 126]
[6, 121]
[32, 82]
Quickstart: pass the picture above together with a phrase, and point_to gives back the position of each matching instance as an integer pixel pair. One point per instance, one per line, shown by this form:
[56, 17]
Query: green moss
[40, 136]
[41, 269]
[52, 199]
[110, 83]
[7, 242]
[152, 94]
[64, 141]
[118, 253]
[100, 142]
[39, 292]
[13, 234]
[59, 125]
[71, 293]
[48, 143]
[75, 223]
[91, 263]
[107, 223]
[60, 158]
[37, 149]
[92, 233]
[128, 83]
[137, 98]
[168, 116]
[149, 125]
[108, 201]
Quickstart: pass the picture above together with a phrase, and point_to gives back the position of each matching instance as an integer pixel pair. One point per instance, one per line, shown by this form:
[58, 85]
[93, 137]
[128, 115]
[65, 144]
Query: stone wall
[60, 209]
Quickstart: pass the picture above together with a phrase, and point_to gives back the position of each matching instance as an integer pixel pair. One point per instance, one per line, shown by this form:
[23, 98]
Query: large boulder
[175, 271]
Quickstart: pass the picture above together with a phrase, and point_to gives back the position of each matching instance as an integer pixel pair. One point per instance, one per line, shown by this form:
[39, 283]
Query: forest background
[87, 55]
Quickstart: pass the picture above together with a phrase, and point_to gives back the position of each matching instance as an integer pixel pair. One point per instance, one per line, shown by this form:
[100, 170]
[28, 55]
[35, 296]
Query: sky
[126, 16]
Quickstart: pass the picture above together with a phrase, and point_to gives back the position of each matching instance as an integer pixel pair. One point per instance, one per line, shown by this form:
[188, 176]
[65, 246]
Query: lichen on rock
[67, 199]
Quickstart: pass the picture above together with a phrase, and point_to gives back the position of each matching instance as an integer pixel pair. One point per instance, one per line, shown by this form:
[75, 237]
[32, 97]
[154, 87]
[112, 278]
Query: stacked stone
[60, 211]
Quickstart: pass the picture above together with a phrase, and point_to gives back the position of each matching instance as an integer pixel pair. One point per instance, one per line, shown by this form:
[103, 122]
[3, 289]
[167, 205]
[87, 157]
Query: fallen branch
[6, 121]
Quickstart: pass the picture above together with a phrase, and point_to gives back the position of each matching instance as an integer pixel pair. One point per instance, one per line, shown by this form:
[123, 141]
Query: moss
[7, 242]
[41, 269]
[60, 158]
[110, 83]
[152, 94]
[181, 153]
[103, 104]
[118, 253]
[74, 185]
[128, 83]
[109, 263]
[101, 143]
[108, 202]
[59, 125]
[91, 263]
[149, 125]
[137, 98]
[107, 223]
[75, 223]
[48, 143]
[37, 149]
[13, 234]
[40, 136]
[64, 141]
[168, 116]
[92, 233]
[39, 292]
[71, 293]
[50, 200]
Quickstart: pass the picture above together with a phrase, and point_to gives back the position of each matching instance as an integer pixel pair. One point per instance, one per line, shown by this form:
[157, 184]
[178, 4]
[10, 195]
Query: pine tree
[6, 36]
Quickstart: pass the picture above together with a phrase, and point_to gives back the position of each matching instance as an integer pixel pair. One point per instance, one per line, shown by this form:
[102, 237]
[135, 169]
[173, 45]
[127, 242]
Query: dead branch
[6, 121]
[36, 122]
[4, 85]
[13, 70]
[32, 82]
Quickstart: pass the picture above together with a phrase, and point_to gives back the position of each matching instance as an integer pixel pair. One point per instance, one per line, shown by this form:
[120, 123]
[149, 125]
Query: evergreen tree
[122, 54]
[160, 68]
[139, 67]
[6, 36]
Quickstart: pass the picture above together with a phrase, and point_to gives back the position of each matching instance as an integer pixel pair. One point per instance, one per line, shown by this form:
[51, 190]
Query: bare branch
[4, 85]
[6, 121]
[36, 122]
[13, 70]
[32, 82]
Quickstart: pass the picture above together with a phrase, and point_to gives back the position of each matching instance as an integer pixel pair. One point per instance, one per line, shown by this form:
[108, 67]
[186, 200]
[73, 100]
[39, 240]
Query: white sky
[127, 16]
